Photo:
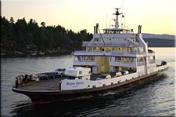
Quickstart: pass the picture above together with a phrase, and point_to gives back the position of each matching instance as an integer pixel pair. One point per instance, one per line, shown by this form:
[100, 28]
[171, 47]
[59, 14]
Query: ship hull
[48, 96]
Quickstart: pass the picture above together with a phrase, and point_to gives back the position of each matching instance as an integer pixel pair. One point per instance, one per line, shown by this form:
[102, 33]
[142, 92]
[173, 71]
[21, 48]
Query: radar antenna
[117, 13]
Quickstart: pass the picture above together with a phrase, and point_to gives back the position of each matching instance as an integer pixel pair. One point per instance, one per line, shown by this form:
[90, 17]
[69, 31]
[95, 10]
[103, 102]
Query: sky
[155, 16]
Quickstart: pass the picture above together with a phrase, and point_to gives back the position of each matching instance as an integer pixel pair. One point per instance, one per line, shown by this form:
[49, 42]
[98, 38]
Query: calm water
[154, 99]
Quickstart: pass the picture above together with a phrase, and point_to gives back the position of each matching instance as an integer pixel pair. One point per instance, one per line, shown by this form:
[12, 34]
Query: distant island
[23, 38]
[159, 40]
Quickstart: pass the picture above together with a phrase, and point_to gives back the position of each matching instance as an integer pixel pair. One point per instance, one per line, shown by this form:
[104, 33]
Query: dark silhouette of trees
[28, 38]
[43, 24]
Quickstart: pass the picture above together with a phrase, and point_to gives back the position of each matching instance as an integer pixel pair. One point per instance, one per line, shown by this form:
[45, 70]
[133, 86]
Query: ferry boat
[117, 59]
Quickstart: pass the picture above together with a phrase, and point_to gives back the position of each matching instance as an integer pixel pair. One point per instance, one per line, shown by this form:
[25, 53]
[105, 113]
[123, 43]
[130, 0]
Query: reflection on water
[156, 98]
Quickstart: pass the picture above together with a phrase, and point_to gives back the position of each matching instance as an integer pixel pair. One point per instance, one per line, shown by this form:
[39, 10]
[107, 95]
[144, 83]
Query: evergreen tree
[26, 37]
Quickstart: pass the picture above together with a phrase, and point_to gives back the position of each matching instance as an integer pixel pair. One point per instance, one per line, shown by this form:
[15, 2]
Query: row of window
[85, 58]
[117, 59]
[109, 49]
[124, 59]
[120, 49]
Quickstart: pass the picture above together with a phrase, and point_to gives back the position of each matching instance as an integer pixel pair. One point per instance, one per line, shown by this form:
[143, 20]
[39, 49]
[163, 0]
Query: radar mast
[117, 18]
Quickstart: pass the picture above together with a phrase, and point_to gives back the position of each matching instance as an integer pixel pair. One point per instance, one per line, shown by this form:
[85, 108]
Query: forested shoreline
[22, 38]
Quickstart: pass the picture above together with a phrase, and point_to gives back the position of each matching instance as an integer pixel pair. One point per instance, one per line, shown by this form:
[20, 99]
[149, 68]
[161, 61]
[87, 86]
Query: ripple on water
[156, 98]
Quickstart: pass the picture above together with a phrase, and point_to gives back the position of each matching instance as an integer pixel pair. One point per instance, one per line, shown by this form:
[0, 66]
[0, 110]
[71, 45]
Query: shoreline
[32, 56]
[54, 55]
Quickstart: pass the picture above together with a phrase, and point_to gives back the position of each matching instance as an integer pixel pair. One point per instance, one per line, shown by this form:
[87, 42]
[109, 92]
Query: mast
[117, 18]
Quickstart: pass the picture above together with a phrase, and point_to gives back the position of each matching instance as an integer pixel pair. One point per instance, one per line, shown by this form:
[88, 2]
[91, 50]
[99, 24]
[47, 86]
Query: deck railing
[106, 53]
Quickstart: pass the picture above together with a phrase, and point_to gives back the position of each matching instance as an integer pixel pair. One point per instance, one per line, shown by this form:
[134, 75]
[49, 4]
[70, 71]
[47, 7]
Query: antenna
[117, 13]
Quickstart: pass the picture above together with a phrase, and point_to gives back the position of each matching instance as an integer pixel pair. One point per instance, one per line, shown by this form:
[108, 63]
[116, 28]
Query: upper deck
[113, 40]
[114, 49]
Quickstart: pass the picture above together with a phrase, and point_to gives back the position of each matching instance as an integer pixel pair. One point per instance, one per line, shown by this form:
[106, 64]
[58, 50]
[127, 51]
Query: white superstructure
[115, 51]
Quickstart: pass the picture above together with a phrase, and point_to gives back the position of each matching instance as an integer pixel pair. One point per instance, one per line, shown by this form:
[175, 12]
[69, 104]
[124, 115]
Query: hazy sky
[156, 16]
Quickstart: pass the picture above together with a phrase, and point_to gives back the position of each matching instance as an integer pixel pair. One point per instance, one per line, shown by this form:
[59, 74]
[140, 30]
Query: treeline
[22, 38]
